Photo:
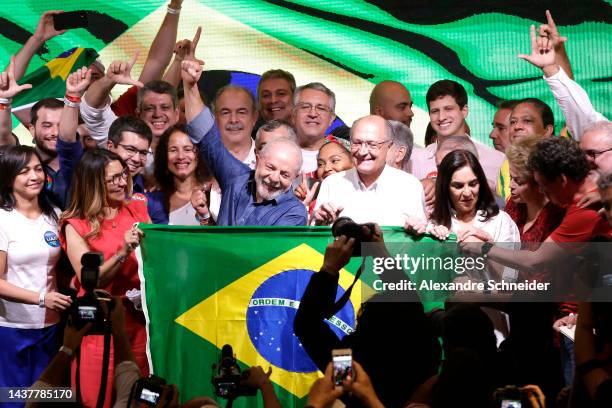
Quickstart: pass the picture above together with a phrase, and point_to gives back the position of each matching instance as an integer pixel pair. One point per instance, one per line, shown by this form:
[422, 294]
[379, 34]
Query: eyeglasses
[132, 151]
[370, 145]
[116, 179]
[594, 154]
[184, 149]
[307, 107]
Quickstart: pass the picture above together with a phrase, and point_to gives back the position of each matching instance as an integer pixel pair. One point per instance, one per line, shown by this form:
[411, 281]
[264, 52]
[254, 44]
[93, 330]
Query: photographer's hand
[55, 374]
[362, 387]
[74, 336]
[257, 378]
[323, 392]
[123, 350]
[337, 254]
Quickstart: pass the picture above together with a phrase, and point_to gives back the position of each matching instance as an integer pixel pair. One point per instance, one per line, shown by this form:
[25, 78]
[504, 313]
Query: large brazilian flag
[207, 287]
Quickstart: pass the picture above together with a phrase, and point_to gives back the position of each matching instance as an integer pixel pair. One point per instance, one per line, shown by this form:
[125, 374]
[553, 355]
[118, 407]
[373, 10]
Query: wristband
[6, 101]
[41, 299]
[173, 10]
[71, 104]
[72, 98]
[201, 218]
[69, 352]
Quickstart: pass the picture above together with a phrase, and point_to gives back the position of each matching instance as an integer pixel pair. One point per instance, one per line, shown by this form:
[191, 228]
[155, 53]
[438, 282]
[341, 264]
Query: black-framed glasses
[116, 179]
[369, 144]
[594, 154]
[132, 151]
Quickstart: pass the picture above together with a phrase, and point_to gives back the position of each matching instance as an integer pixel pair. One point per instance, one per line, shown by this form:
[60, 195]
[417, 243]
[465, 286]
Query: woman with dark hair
[179, 173]
[101, 217]
[465, 204]
[29, 251]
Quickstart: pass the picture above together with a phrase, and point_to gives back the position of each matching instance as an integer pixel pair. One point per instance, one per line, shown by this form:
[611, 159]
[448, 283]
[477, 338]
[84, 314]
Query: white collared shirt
[393, 197]
[251, 159]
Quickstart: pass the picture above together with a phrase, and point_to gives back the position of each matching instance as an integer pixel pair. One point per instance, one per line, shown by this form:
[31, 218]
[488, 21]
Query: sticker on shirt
[139, 197]
[49, 182]
[51, 239]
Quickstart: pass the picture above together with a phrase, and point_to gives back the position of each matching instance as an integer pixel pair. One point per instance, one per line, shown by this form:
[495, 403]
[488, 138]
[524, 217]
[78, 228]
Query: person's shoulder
[401, 176]
[491, 153]
[150, 196]
[137, 204]
[341, 176]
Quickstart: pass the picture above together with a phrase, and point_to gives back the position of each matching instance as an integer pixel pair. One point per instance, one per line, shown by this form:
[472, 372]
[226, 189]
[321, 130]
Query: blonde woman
[101, 218]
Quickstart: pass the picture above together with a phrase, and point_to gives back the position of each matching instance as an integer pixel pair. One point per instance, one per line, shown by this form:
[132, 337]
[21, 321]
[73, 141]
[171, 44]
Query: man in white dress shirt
[371, 191]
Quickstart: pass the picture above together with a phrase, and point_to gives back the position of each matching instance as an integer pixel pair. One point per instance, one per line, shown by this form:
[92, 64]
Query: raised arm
[162, 46]
[571, 98]
[8, 89]
[76, 84]
[119, 72]
[44, 32]
[183, 50]
[550, 31]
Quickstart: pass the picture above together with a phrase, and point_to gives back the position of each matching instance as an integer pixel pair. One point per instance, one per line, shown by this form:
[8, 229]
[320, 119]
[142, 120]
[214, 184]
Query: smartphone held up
[71, 19]
[343, 366]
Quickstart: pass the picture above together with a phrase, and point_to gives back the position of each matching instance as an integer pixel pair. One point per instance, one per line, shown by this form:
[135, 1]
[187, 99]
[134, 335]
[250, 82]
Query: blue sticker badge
[51, 239]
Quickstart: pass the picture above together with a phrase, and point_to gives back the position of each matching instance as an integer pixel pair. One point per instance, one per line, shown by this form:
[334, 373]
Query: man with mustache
[235, 116]
[259, 197]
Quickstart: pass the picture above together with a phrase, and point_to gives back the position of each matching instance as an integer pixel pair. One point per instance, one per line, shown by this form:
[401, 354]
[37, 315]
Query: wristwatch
[484, 250]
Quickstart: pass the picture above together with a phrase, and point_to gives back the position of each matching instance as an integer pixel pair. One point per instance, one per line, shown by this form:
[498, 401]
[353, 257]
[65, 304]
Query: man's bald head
[392, 101]
[283, 146]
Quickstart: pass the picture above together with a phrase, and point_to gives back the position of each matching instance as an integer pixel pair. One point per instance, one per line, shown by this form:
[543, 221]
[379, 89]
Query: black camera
[149, 390]
[228, 379]
[349, 228]
[87, 308]
[511, 397]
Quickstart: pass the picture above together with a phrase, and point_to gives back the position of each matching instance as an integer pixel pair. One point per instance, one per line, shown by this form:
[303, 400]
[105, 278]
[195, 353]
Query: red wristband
[72, 98]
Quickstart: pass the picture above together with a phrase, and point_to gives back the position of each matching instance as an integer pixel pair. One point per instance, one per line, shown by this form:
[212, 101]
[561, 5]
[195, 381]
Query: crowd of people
[161, 154]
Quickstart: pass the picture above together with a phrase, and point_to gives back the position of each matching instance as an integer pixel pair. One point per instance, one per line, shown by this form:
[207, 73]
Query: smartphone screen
[71, 19]
[510, 404]
[343, 367]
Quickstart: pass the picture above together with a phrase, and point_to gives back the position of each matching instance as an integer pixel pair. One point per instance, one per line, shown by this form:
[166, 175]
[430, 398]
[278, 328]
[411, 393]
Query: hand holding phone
[71, 19]
[343, 366]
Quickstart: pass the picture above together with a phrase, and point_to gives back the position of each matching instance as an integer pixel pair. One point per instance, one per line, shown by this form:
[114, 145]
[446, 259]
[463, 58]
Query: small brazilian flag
[207, 287]
[49, 81]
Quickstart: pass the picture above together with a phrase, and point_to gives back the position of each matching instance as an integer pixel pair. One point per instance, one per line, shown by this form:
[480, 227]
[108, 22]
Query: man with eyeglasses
[131, 138]
[596, 143]
[371, 191]
[313, 113]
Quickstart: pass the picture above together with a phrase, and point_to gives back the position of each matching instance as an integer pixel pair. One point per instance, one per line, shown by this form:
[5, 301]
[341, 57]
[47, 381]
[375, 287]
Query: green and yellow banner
[207, 287]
